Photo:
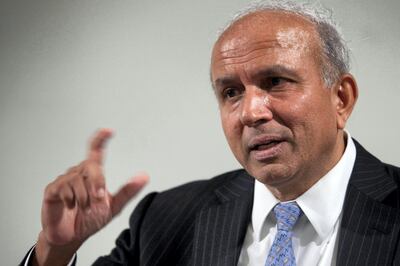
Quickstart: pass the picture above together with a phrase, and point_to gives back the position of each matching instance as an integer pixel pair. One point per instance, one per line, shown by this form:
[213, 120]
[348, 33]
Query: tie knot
[287, 215]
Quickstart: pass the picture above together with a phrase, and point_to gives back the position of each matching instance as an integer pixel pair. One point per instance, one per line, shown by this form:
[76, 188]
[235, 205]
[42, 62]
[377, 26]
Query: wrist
[46, 253]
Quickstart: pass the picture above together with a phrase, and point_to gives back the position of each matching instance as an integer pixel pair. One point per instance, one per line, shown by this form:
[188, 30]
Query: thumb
[128, 191]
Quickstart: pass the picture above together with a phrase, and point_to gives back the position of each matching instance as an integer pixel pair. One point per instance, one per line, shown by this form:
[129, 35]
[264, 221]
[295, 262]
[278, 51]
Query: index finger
[96, 148]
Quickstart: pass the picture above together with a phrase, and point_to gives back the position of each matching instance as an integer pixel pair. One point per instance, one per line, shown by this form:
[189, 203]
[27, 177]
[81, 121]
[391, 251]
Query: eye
[275, 82]
[231, 92]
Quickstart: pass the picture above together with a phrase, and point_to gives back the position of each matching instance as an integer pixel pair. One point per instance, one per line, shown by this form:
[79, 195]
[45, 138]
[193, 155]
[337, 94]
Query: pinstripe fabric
[201, 223]
[204, 223]
[369, 232]
[220, 228]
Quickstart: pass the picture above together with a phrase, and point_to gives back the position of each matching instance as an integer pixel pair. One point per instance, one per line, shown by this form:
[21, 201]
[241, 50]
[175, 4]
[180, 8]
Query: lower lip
[267, 154]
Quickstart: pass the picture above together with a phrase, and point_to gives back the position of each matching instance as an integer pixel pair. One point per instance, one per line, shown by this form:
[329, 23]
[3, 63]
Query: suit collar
[221, 226]
[239, 187]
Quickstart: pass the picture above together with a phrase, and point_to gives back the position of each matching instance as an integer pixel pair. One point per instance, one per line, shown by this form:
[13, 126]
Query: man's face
[278, 116]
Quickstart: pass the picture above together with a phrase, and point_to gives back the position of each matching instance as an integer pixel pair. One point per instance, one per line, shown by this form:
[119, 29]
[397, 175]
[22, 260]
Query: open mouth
[265, 146]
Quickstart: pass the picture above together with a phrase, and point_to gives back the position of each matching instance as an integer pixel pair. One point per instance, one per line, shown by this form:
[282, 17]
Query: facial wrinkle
[267, 44]
[227, 62]
[235, 57]
[292, 39]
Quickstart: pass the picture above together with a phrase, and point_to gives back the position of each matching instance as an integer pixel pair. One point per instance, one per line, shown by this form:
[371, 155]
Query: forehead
[264, 33]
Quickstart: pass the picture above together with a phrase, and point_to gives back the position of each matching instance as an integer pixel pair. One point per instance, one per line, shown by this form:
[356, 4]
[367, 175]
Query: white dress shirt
[316, 231]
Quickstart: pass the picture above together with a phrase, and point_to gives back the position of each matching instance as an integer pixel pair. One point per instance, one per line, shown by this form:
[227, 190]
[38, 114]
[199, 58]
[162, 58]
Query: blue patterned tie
[281, 252]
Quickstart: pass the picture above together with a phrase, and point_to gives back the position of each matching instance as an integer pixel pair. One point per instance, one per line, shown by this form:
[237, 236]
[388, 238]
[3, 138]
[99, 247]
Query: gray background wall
[141, 68]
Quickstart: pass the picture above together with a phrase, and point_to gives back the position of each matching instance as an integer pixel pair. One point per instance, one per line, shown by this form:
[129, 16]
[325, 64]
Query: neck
[299, 184]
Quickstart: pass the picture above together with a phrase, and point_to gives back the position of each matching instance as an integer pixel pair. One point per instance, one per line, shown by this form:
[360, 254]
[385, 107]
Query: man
[280, 74]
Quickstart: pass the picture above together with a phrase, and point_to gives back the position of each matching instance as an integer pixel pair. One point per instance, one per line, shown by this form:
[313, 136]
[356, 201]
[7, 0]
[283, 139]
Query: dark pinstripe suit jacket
[204, 222]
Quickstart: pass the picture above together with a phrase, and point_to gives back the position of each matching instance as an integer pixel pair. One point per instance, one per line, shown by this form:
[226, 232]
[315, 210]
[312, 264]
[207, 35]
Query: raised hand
[77, 204]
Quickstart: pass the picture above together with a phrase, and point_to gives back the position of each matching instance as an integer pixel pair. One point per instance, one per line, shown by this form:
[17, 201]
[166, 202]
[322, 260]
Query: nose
[255, 107]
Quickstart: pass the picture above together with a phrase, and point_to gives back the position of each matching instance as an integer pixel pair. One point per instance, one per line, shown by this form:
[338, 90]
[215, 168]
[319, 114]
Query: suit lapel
[221, 226]
[369, 229]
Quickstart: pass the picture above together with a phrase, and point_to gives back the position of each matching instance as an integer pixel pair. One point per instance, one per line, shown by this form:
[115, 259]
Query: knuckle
[99, 182]
[54, 186]
[71, 169]
[60, 177]
[66, 195]
[50, 190]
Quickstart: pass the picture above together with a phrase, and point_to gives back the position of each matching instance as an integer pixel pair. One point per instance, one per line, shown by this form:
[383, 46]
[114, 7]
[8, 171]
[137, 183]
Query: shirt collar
[321, 204]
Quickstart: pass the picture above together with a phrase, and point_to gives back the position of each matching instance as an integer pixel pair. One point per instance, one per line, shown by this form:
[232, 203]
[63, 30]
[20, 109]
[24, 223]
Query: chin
[271, 174]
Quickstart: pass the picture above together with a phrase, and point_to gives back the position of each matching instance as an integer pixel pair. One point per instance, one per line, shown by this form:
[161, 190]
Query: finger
[96, 148]
[127, 192]
[52, 190]
[67, 196]
[95, 181]
[79, 189]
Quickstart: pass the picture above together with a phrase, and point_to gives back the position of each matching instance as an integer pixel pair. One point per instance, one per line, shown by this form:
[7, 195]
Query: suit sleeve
[127, 250]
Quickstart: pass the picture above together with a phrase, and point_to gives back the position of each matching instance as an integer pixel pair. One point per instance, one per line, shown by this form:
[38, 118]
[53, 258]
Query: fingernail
[101, 193]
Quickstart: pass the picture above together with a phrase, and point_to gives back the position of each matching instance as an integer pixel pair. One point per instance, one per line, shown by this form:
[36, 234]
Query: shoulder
[165, 221]
[193, 195]
[393, 171]
[203, 187]
[378, 180]
[367, 160]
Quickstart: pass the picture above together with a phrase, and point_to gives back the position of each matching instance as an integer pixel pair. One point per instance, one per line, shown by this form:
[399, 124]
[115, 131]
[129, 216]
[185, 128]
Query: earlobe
[347, 94]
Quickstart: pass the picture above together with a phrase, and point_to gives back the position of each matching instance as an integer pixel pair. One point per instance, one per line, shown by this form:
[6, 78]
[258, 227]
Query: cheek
[302, 115]
[312, 121]
[233, 131]
[230, 126]
[292, 113]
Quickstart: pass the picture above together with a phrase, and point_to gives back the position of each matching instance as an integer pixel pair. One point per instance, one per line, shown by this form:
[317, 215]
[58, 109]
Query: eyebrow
[277, 70]
[227, 80]
[270, 71]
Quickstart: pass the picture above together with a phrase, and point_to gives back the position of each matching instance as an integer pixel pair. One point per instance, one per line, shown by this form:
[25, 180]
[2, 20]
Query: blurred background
[69, 67]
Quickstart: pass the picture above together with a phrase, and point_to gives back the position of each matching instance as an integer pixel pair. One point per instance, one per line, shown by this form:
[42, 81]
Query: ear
[346, 94]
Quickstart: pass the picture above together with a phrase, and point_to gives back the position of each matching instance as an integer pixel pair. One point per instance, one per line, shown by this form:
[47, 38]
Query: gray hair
[335, 53]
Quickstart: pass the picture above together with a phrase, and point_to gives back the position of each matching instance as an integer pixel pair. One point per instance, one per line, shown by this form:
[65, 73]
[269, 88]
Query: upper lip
[263, 140]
